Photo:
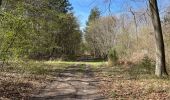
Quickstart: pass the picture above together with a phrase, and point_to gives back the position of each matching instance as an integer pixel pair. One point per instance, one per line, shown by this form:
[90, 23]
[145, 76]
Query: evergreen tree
[94, 14]
[60, 5]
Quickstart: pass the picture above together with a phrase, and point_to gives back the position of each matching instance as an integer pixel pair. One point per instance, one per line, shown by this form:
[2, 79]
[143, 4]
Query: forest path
[76, 82]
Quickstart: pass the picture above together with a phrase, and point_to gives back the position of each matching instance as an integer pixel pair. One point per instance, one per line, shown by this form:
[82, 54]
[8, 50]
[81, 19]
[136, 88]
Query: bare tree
[135, 22]
[101, 35]
[160, 49]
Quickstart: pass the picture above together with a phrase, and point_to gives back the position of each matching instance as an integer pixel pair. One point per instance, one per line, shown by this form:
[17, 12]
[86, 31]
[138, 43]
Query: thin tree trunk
[160, 49]
[136, 27]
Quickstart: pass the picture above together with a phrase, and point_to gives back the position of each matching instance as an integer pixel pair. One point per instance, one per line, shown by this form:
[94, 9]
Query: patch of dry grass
[135, 82]
[19, 80]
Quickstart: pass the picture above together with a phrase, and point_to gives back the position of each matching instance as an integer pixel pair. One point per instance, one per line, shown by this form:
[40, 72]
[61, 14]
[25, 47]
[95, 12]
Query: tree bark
[0, 2]
[160, 68]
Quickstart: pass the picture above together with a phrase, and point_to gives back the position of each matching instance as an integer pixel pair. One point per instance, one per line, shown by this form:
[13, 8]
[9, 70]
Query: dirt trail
[74, 83]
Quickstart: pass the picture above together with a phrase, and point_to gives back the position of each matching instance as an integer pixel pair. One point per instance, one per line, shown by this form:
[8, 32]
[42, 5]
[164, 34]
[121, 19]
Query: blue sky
[82, 7]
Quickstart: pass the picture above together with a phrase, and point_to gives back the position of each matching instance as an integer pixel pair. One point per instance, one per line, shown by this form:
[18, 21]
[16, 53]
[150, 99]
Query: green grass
[45, 67]
[73, 63]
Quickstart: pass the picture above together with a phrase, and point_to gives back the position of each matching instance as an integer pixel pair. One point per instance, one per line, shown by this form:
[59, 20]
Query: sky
[82, 7]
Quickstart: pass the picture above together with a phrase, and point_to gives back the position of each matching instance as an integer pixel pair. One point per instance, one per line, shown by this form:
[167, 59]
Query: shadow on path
[74, 83]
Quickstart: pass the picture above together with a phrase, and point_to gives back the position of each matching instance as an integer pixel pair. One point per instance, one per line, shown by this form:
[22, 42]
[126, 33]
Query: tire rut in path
[74, 83]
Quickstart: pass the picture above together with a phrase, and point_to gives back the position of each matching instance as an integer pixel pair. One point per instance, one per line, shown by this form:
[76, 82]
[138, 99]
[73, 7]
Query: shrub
[112, 57]
[143, 68]
[147, 63]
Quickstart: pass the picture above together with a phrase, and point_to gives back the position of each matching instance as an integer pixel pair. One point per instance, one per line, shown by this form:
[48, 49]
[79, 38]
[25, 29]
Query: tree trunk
[160, 50]
[0, 2]
[136, 26]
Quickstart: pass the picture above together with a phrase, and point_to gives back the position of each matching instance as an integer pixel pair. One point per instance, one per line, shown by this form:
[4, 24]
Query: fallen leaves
[125, 88]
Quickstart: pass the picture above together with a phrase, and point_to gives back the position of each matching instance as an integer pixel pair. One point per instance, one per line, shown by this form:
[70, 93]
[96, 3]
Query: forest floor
[50, 81]
[81, 81]
[76, 82]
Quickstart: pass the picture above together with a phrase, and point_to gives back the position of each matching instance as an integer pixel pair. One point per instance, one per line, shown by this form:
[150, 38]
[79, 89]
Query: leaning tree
[160, 49]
